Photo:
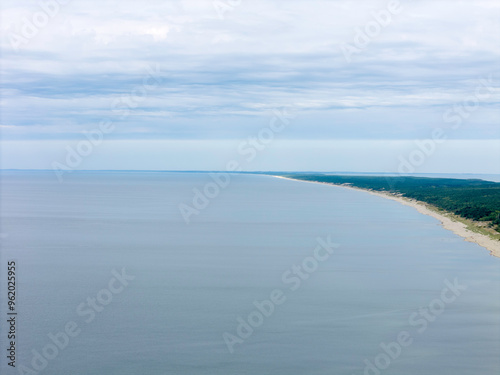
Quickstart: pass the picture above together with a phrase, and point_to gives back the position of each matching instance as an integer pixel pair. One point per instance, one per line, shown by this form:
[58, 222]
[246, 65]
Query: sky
[347, 85]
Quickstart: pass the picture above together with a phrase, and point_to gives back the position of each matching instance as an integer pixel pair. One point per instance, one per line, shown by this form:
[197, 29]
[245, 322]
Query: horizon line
[243, 172]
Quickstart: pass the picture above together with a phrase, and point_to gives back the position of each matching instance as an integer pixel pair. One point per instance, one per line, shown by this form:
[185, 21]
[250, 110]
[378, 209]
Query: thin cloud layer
[222, 68]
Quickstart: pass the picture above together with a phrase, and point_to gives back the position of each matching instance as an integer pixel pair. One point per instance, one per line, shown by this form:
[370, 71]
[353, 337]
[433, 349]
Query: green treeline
[472, 199]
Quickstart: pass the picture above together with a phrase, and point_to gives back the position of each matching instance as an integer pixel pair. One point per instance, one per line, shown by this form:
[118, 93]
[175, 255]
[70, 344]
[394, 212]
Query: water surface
[193, 281]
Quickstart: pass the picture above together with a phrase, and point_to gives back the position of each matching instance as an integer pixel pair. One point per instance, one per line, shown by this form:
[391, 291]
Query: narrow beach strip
[459, 228]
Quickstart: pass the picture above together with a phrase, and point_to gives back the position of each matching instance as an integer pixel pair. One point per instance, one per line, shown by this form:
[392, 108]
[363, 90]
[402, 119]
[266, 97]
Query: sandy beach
[493, 246]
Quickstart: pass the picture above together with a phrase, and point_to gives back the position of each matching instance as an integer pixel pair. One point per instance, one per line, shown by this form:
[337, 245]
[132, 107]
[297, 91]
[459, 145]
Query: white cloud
[262, 55]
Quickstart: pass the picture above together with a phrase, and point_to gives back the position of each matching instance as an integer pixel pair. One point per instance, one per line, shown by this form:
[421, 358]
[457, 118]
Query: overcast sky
[217, 71]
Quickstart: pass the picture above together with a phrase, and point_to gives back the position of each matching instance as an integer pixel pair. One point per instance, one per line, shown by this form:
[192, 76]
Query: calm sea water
[194, 282]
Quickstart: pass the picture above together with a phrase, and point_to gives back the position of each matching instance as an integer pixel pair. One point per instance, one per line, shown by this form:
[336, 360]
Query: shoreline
[457, 227]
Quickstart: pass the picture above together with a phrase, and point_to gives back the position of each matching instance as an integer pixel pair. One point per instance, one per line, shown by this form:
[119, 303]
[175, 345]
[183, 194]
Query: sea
[156, 273]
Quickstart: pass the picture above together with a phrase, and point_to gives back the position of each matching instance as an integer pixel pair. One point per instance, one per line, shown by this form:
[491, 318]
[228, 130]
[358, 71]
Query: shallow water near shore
[192, 282]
